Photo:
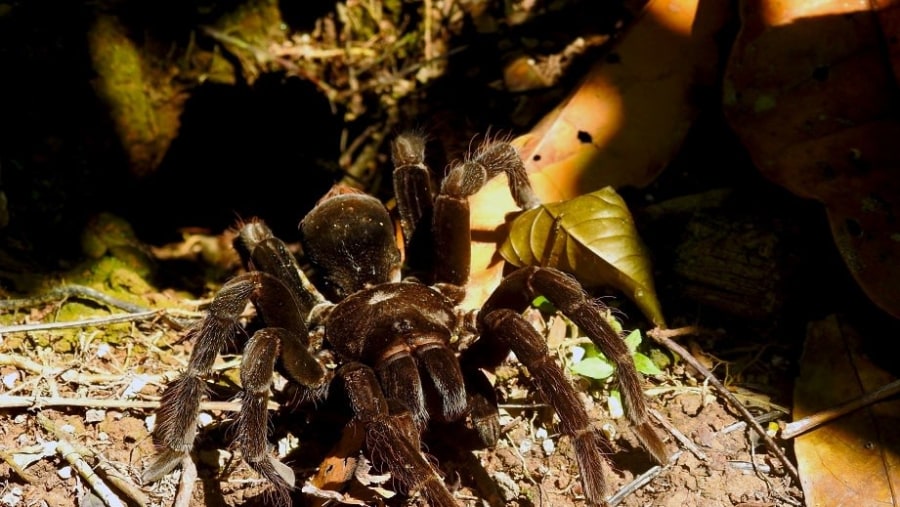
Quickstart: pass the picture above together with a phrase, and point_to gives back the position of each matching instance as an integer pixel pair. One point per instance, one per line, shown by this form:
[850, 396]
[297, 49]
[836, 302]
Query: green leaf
[594, 238]
[645, 365]
[633, 340]
[594, 367]
[544, 305]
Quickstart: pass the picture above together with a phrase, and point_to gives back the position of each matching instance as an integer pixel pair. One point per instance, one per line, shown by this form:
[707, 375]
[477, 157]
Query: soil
[532, 464]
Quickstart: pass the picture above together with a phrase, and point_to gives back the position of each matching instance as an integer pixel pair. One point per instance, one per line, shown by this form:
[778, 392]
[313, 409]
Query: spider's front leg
[392, 437]
[503, 329]
[285, 337]
[449, 211]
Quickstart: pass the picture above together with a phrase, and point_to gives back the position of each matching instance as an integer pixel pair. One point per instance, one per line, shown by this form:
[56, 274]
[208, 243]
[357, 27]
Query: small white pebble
[525, 445]
[67, 428]
[12, 498]
[150, 422]
[577, 354]
[10, 379]
[609, 430]
[103, 350]
[102, 436]
[137, 383]
[204, 419]
[548, 446]
[94, 415]
[614, 404]
[65, 472]
[20, 419]
[541, 433]
[287, 444]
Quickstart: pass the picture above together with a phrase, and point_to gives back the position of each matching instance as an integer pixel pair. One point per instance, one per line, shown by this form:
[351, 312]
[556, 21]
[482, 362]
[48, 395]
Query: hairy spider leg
[391, 437]
[176, 420]
[252, 423]
[501, 323]
[413, 187]
[449, 211]
[403, 329]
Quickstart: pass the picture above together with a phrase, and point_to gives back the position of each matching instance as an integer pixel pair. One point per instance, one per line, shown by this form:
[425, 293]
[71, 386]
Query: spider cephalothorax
[390, 337]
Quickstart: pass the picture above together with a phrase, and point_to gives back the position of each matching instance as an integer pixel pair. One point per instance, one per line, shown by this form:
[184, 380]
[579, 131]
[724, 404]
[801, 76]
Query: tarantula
[389, 336]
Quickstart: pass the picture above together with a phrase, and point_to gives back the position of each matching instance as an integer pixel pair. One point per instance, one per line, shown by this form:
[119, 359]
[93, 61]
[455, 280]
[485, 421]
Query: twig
[80, 291]
[68, 452]
[67, 291]
[70, 375]
[681, 437]
[662, 337]
[8, 459]
[186, 483]
[50, 401]
[761, 419]
[119, 481]
[98, 322]
[640, 481]
[796, 428]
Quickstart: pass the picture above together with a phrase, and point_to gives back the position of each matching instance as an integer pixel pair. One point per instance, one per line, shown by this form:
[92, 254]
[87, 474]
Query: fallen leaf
[620, 126]
[592, 237]
[338, 467]
[810, 90]
[854, 460]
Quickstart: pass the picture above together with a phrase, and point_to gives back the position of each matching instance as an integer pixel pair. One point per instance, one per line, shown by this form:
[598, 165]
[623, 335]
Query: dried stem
[796, 428]
[662, 337]
[37, 402]
[68, 452]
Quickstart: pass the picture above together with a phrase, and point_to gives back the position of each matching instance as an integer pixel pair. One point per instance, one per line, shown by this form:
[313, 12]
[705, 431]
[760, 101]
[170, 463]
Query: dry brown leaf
[854, 460]
[620, 126]
[339, 467]
[811, 92]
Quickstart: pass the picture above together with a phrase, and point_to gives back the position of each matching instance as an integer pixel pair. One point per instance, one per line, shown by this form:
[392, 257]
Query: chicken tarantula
[389, 336]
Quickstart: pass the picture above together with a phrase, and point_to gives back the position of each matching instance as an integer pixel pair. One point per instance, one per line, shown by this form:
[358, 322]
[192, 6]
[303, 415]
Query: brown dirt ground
[532, 465]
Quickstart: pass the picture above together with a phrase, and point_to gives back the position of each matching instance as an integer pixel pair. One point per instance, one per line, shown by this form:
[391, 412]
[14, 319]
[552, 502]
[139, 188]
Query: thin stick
[681, 437]
[112, 475]
[68, 452]
[186, 483]
[35, 402]
[640, 481]
[72, 376]
[98, 322]
[796, 428]
[67, 291]
[662, 338]
[8, 458]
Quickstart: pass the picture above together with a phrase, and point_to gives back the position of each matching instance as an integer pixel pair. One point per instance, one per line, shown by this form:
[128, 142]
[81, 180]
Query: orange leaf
[338, 468]
[853, 460]
[620, 126]
[810, 92]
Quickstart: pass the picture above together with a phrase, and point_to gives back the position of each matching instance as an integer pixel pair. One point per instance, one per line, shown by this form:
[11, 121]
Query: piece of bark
[733, 262]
